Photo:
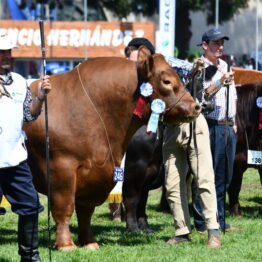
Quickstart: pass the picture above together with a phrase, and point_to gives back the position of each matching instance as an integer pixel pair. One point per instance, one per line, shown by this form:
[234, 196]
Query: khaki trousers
[175, 150]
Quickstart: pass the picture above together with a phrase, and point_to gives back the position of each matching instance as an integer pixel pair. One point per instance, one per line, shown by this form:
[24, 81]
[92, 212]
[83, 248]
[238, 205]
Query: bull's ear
[145, 63]
[143, 53]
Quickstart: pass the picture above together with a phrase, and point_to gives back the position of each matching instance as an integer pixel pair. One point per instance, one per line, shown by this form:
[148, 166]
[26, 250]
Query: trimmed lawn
[118, 245]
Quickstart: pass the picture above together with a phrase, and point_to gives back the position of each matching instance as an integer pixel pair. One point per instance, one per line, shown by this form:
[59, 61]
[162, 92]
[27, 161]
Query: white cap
[6, 43]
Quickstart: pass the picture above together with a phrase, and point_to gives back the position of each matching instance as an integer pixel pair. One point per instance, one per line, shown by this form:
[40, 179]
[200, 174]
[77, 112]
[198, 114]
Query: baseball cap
[6, 43]
[213, 35]
[139, 41]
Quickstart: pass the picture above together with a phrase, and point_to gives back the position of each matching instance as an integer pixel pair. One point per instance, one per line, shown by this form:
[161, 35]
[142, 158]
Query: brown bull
[244, 76]
[91, 123]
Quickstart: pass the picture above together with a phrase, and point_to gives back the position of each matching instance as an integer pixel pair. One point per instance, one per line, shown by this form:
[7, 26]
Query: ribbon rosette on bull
[157, 107]
[146, 90]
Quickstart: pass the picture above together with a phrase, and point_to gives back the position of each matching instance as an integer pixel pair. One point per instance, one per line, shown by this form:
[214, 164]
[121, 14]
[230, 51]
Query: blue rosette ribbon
[157, 107]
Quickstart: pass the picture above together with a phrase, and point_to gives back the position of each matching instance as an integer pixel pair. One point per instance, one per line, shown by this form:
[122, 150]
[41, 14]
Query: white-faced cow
[91, 123]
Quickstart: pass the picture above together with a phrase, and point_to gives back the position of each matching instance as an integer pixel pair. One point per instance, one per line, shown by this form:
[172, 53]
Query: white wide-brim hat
[6, 43]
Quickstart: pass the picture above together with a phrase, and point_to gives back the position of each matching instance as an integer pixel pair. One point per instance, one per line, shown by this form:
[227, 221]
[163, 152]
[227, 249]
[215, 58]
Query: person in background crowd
[251, 64]
[175, 151]
[18, 106]
[216, 89]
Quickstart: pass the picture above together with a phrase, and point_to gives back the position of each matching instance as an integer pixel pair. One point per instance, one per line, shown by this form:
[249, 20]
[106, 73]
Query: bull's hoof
[133, 230]
[92, 246]
[148, 230]
[66, 248]
[143, 225]
[235, 210]
[117, 219]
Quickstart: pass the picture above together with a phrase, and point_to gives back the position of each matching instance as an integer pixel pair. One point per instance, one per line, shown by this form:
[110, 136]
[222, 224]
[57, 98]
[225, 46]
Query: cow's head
[180, 106]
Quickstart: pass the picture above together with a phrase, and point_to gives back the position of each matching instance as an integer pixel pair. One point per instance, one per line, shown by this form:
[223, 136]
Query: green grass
[117, 245]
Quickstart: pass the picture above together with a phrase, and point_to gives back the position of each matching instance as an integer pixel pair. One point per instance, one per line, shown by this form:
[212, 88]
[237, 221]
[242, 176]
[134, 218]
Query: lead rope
[203, 82]
[94, 107]
[226, 177]
[246, 139]
[192, 135]
[203, 97]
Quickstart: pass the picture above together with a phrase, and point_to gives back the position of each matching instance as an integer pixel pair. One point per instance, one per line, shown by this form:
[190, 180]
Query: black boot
[28, 238]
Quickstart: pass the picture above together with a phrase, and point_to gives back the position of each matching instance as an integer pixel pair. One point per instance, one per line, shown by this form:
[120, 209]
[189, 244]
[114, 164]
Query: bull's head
[180, 106]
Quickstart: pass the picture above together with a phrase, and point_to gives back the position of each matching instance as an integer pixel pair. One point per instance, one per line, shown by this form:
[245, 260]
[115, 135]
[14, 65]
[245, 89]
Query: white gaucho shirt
[12, 115]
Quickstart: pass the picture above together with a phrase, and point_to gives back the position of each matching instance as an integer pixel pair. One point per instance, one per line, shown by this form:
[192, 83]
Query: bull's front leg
[63, 202]
[240, 166]
[85, 235]
[130, 203]
[141, 213]
[62, 212]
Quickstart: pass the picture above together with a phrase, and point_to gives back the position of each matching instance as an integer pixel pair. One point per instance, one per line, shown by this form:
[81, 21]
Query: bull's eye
[166, 82]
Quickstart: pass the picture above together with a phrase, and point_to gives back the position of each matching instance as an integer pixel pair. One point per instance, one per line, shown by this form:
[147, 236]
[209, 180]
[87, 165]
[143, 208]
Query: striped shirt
[219, 100]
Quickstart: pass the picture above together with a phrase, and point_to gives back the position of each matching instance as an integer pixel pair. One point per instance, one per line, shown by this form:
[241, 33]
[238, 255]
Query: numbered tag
[118, 174]
[254, 157]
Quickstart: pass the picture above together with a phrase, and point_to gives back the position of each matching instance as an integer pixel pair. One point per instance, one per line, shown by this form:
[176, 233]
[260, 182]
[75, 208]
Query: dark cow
[91, 122]
[249, 136]
[144, 171]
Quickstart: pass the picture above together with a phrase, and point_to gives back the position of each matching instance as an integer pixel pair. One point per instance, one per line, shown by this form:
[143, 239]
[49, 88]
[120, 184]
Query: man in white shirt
[18, 106]
[221, 122]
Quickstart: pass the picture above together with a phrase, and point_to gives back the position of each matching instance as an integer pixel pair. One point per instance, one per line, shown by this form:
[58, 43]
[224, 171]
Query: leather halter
[174, 104]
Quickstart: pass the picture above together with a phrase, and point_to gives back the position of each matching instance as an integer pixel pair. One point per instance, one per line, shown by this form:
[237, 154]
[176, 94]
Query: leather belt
[216, 122]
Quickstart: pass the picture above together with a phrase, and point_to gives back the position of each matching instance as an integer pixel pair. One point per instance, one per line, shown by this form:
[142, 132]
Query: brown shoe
[174, 241]
[214, 241]
[232, 229]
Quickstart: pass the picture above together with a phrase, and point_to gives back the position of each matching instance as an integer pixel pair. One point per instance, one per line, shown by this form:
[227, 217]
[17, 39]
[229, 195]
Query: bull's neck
[131, 123]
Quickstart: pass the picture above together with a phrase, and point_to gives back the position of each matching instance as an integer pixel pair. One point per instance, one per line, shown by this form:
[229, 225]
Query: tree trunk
[183, 33]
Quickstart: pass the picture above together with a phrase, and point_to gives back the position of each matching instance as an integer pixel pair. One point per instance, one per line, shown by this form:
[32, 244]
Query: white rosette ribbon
[157, 107]
[146, 90]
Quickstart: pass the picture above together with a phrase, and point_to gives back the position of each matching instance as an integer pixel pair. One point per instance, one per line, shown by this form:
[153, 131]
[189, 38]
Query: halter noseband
[174, 104]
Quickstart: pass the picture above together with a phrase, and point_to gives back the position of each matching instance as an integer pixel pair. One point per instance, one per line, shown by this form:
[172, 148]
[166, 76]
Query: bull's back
[244, 76]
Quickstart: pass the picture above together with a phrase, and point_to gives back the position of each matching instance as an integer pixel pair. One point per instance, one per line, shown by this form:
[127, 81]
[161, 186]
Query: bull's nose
[197, 108]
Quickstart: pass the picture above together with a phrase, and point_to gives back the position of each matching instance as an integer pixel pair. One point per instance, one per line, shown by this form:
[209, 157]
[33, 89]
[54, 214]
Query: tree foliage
[122, 8]
[228, 8]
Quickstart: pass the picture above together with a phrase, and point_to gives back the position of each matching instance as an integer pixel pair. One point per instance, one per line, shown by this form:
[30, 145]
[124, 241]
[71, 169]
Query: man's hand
[44, 87]
[197, 66]
[227, 78]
